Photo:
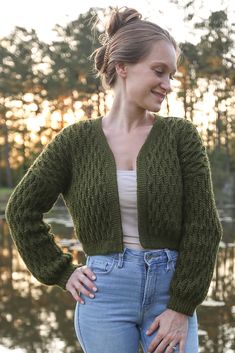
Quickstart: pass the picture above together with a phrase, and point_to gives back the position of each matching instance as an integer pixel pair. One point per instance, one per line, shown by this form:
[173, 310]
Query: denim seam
[144, 340]
[79, 329]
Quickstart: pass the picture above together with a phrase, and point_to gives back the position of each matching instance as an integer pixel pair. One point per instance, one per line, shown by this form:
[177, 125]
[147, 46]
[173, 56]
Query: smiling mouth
[159, 95]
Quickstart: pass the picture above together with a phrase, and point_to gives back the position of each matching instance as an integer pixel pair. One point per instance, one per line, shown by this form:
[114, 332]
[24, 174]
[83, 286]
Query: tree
[19, 75]
[71, 74]
[216, 65]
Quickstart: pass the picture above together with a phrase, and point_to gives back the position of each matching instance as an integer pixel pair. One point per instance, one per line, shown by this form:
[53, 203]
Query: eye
[158, 72]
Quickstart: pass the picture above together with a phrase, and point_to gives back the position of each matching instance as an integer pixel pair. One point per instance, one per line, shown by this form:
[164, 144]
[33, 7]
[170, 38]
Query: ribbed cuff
[181, 306]
[65, 276]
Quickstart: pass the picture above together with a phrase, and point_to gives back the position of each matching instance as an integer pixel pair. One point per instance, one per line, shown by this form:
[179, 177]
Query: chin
[155, 109]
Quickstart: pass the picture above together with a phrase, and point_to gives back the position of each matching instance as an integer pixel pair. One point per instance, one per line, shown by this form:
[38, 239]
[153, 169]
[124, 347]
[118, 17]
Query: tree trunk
[9, 180]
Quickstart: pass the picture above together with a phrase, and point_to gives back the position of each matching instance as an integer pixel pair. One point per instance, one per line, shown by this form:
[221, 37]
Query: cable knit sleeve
[35, 195]
[201, 227]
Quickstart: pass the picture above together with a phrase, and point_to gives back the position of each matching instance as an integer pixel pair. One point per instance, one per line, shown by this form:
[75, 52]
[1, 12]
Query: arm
[201, 227]
[35, 194]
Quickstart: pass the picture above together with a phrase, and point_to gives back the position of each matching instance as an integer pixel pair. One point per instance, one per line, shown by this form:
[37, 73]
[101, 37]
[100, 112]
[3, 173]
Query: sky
[43, 15]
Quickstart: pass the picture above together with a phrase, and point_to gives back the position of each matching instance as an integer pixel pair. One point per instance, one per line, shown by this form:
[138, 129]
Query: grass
[5, 191]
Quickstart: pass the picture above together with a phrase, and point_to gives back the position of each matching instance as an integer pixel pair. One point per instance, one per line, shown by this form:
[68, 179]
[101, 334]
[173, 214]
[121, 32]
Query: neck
[126, 117]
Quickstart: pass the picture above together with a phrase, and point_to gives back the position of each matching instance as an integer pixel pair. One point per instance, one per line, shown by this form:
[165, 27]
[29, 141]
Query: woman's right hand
[82, 275]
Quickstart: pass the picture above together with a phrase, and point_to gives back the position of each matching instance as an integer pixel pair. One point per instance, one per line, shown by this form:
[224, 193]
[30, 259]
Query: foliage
[61, 74]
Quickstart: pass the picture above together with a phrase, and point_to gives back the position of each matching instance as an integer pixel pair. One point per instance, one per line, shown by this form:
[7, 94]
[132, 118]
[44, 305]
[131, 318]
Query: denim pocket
[101, 266]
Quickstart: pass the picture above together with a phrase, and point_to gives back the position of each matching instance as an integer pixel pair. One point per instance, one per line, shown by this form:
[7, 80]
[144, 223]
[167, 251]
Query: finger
[75, 295]
[165, 346]
[170, 347]
[153, 326]
[89, 273]
[85, 280]
[182, 346]
[80, 288]
[88, 281]
[155, 342]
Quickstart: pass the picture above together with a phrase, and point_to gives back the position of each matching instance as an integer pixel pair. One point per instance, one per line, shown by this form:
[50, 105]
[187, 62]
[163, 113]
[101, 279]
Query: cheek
[139, 86]
[133, 88]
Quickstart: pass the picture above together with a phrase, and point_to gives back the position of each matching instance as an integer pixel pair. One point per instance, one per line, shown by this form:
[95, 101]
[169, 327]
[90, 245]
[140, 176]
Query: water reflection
[37, 318]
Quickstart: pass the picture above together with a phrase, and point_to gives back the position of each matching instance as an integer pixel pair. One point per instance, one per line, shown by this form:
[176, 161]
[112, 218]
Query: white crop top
[127, 190]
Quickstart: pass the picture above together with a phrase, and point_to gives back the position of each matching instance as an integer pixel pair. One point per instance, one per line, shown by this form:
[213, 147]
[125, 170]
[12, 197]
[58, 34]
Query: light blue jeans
[133, 288]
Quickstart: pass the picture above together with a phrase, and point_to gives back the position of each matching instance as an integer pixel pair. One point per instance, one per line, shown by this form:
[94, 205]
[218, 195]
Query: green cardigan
[175, 202]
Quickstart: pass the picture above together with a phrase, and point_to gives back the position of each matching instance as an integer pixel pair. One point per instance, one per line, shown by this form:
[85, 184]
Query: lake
[39, 319]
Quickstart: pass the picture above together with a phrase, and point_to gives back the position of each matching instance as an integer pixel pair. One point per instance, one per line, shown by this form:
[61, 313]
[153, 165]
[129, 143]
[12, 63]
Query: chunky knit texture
[175, 202]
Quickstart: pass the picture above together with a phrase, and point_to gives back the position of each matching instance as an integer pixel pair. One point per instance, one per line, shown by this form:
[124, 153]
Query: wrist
[178, 313]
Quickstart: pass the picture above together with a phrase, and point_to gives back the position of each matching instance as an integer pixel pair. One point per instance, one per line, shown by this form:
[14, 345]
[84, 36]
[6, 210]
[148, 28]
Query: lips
[159, 95]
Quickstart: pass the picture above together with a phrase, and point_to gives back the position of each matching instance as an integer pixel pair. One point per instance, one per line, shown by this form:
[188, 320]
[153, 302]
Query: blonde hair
[127, 39]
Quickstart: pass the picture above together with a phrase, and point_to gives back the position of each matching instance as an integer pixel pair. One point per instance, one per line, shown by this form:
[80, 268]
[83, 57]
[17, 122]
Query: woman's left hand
[173, 329]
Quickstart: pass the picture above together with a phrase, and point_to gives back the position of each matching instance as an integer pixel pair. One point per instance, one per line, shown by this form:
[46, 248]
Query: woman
[138, 187]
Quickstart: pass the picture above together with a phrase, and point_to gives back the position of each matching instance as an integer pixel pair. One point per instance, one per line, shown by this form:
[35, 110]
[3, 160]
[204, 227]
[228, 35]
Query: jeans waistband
[139, 256]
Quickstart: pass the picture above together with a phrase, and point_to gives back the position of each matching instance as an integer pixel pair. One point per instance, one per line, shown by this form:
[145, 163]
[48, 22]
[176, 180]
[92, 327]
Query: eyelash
[161, 72]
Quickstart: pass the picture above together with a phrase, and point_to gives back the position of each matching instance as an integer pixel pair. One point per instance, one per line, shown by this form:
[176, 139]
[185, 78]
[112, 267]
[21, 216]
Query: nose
[166, 85]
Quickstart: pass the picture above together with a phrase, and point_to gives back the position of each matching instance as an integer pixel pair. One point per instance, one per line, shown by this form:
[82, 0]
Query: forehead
[163, 53]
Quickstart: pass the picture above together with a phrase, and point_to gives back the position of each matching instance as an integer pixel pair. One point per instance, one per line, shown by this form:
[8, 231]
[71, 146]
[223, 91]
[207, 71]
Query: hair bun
[121, 17]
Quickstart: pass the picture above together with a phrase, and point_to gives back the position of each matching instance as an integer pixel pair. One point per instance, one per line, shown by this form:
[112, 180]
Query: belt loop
[170, 265]
[120, 260]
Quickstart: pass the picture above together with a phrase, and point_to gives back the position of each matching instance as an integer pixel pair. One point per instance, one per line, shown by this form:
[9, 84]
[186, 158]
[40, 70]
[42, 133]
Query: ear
[121, 69]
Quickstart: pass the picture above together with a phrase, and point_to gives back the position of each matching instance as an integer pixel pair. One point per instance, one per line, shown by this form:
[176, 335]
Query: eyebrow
[163, 64]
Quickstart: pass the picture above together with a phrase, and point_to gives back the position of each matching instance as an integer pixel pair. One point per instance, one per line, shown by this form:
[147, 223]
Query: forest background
[46, 86]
